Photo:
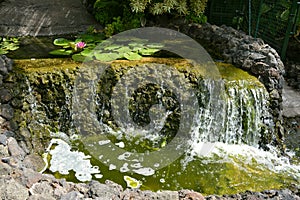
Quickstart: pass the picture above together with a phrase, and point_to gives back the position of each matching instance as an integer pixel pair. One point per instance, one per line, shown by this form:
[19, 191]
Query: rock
[3, 139]
[42, 188]
[30, 177]
[50, 17]
[34, 161]
[11, 189]
[190, 195]
[15, 150]
[9, 134]
[97, 189]
[257, 56]
[74, 195]
[6, 111]
[41, 197]
[5, 64]
[5, 95]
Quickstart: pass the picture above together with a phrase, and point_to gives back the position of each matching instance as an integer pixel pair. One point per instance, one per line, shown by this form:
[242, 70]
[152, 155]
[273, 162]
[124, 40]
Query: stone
[74, 195]
[5, 63]
[15, 150]
[40, 197]
[9, 134]
[257, 56]
[190, 195]
[5, 169]
[11, 189]
[97, 189]
[6, 111]
[30, 177]
[34, 161]
[5, 95]
[43, 188]
[3, 152]
[3, 139]
[44, 18]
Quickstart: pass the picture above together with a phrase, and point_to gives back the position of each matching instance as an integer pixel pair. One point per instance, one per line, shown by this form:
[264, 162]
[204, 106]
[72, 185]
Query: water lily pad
[87, 52]
[155, 45]
[3, 51]
[61, 42]
[106, 57]
[123, 50]
[61, 52]
[78, 57]
[132, 56]
[148, 52]
[112, 47]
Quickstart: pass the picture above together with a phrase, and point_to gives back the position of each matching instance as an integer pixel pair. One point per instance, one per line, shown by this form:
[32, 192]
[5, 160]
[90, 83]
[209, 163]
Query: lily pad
[123, 50]
[61, 42]
[155, 45]
[61, 52]
[112, 47]
[107, 57]
[132, 56]
[87, 52]
[3, 51]
[78, 57]
[148, 52]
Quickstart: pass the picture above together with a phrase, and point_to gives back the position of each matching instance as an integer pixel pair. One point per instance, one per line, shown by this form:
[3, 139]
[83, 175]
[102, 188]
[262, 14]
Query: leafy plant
[158, 7]
[8, 44]
[200, 19]
[116, 16]
[106, 51]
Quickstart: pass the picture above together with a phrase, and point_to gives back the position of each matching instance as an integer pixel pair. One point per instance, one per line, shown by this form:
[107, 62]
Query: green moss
[232, 73]
[45, 65]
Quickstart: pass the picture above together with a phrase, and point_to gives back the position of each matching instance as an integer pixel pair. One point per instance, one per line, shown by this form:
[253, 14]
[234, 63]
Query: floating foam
[63, 160]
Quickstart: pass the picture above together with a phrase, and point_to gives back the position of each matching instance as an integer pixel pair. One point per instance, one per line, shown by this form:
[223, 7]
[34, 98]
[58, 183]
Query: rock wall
[6, 95]
[43, 18]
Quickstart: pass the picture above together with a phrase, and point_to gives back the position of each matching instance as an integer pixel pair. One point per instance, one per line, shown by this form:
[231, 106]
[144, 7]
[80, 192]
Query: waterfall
[233, 115]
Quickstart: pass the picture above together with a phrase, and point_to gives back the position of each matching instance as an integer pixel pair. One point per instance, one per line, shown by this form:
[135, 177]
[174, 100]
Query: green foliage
[200, 19]
[158, 7]
[106, 10]
[120, 15]
[106, 51]
[8, 44]
[116, 16]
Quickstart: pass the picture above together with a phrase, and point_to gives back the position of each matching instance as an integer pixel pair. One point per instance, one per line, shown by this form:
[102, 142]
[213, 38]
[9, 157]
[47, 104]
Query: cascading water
[237, 117]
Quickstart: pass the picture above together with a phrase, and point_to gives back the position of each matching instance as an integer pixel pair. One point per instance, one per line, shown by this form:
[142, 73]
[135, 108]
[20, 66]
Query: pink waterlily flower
[80, 45]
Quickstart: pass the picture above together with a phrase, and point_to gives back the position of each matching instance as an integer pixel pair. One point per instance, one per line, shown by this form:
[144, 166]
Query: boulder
[43, 18]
